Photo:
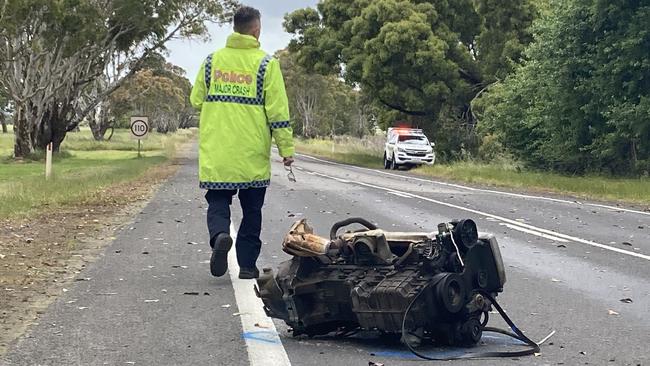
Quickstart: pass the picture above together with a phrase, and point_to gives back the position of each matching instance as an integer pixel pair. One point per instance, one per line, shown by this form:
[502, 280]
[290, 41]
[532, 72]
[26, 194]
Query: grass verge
[360, 152]
[84, 168]
[356, 152]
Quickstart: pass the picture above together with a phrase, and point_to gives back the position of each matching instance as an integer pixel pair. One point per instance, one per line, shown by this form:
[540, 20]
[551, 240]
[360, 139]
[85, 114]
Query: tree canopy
[582, 101]
[53, 50]
[324, 105]
[161, 91]
[425, 59]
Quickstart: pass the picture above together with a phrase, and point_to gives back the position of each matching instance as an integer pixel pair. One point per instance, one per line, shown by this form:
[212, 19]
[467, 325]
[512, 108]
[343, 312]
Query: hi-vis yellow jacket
[240, 93]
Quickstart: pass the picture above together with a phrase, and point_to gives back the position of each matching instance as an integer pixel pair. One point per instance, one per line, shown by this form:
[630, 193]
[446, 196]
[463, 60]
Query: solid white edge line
[613, 208]
[399, 194]
[533, 232]
[263, 343]
[501, 218]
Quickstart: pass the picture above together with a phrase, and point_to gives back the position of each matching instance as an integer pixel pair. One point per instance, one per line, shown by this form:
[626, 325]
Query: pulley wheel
[451, 292]
[471, 332]
[466, 233]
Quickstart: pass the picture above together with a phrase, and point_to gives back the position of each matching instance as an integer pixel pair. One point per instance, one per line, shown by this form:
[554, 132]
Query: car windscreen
[413, 139]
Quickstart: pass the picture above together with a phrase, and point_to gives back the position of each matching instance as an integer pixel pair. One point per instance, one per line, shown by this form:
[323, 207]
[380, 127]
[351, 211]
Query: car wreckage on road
[438, 286]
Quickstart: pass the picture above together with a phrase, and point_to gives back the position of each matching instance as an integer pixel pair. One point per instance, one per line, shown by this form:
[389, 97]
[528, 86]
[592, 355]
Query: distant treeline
[559, 85]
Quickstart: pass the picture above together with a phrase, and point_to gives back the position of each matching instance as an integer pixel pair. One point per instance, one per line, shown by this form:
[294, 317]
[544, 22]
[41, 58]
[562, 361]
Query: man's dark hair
[245, 18]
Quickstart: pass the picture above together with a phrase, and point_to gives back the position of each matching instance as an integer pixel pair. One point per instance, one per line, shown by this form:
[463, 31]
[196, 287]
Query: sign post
[48, 161]
[139, 129]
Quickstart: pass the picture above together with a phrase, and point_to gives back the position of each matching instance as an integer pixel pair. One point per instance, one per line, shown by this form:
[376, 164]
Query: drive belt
[532, 346]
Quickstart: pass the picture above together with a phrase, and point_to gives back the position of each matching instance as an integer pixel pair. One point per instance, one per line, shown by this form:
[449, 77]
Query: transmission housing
[367, 279]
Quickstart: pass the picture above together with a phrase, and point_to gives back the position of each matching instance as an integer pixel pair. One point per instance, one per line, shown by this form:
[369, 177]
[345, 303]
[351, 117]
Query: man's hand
[288, 161]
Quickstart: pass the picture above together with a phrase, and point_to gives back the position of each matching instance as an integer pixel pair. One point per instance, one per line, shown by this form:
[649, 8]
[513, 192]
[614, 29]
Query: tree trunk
[58, 135]
[23, 140]
[53, 128]
[3, 122]
[633, 155]
[99, 131]
[96, 127]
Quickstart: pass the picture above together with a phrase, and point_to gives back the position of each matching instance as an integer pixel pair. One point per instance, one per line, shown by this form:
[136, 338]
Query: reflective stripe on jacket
[241, 95]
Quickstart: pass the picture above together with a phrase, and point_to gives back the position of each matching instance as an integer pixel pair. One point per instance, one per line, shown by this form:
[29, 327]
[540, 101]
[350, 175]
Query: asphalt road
[150, 300]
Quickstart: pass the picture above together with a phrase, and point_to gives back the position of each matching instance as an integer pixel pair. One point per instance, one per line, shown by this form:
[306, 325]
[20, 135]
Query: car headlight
[401, 149]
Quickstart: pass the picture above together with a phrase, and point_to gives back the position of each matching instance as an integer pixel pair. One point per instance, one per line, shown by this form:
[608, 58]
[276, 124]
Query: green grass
[6, 143]
[503, 175]
[83, 168]
[592, 187]
[361, 154]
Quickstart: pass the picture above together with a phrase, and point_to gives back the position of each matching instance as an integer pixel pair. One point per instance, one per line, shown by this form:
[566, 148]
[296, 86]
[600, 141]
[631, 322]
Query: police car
[407, 147]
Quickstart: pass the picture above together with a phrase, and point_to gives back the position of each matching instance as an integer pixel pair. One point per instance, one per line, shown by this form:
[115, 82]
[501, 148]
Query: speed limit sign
[139, 127]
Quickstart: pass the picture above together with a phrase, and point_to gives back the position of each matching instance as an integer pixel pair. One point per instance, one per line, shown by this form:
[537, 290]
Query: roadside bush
[491, 150]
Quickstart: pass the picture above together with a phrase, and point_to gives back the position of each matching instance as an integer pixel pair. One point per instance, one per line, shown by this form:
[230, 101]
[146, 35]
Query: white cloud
[190, 54]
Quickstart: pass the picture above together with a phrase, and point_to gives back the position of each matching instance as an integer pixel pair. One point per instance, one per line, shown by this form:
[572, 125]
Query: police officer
[240, 93]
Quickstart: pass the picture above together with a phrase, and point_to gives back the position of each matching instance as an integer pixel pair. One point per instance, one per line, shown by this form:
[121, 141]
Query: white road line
[504, 219]
[262, 340]
[533, 232]
[399, 194]
[613, 208]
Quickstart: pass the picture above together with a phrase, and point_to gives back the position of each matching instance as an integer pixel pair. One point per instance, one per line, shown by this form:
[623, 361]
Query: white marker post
[48, 161]
[139, 129]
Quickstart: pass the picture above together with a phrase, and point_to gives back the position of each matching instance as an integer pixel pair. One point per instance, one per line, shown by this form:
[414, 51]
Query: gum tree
[582, 101]
[425, 59]
[52, 50]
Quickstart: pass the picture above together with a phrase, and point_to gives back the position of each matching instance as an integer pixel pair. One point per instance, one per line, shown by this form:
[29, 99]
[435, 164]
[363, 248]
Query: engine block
[366, 279]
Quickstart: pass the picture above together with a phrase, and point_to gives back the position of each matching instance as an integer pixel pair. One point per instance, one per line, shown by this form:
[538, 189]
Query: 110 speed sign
[139, 127]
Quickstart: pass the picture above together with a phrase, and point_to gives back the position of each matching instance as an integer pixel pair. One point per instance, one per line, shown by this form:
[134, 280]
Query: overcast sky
[190, 54]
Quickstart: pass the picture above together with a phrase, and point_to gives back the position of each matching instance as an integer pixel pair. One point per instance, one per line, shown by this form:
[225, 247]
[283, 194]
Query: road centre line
[613, 208]
[533, 232]
[500, 218]
[262, 340]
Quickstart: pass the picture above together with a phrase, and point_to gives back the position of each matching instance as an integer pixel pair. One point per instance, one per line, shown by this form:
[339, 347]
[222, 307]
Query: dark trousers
[248, 243]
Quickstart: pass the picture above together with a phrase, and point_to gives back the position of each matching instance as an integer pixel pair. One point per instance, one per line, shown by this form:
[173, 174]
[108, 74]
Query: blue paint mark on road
[503, 340]
[266, 336]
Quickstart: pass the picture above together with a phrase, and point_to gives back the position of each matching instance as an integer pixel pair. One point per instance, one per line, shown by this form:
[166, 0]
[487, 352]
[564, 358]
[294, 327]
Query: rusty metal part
[395, 237]
[302, 242]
